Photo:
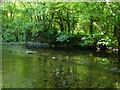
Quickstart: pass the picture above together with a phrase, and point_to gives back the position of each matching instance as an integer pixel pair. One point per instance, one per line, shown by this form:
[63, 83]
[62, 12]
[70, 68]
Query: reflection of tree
[64, 76]
[97, 78]
[43, 77]
[90, 79]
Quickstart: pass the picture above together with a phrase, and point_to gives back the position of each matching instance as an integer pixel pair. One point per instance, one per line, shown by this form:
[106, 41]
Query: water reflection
[69, 69]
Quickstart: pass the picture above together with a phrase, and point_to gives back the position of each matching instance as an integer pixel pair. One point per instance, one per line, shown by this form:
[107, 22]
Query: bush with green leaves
[81, 23]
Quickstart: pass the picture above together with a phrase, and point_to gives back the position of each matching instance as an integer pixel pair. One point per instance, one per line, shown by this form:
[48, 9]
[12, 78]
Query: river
[58, 68]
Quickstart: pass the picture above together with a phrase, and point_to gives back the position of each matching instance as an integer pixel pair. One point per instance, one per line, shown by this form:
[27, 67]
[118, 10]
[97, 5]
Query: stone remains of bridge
[38, 44]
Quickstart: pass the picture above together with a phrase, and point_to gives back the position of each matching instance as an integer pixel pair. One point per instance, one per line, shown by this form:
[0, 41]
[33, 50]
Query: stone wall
[38, 44]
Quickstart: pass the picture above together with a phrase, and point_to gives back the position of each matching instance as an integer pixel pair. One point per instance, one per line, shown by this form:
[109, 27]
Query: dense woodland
[81, 24]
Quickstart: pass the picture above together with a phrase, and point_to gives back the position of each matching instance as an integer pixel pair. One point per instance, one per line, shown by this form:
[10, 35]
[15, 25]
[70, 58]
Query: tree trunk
[61, 25]
[118, 38]
[16, 37]
[117, 34]
[91, 26]
[68, 22]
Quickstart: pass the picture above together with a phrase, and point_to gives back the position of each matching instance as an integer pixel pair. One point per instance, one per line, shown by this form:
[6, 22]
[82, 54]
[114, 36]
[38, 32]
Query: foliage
[95, 22]
[64, 37]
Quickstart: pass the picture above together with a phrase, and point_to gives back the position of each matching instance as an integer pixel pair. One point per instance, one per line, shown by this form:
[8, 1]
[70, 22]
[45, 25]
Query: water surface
[57, 68]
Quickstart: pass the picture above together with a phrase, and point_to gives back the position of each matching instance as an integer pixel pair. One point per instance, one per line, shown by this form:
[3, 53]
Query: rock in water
[30, 52]
[53, 57]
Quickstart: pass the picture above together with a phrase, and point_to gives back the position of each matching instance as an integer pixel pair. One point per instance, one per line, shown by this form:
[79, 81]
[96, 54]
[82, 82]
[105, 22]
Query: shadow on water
[57, 68]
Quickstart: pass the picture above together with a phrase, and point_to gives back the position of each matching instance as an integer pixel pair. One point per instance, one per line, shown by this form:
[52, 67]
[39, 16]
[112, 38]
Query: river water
[58, 68]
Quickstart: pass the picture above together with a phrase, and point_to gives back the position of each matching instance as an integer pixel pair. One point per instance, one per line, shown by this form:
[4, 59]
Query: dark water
[50, 68]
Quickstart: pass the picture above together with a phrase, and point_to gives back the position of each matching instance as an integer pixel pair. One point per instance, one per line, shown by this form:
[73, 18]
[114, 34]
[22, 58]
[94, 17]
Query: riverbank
[47, 45]
[14, 43]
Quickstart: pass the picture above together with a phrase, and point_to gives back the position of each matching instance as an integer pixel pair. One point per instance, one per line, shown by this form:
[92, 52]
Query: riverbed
[58, 68]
